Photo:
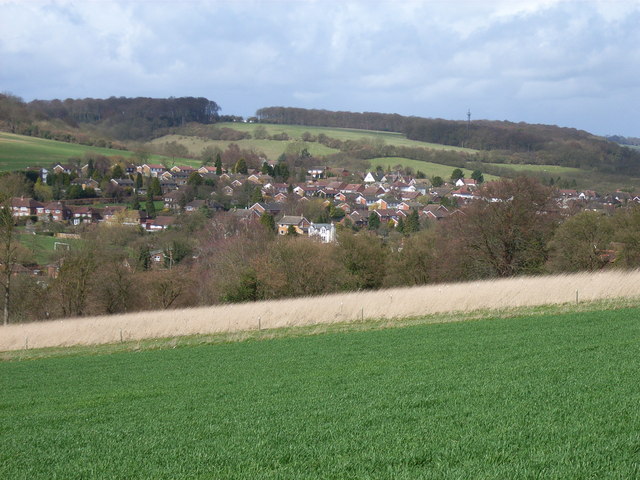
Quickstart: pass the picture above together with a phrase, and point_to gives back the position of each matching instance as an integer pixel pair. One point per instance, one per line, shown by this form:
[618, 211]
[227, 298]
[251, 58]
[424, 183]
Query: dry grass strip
[392, 305]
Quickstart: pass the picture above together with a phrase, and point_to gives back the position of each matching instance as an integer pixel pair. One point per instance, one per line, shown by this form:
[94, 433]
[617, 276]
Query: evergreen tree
[413, 222]
[477, 176]
[144, 258]
[154, 187]
[292, 231]
[256, 195]
[400, 225]
[138, 183]
[241, 166]
[117, 172]
[150, 207]
[268, 221]
[456, 175]
[374, 221]
[218, 165]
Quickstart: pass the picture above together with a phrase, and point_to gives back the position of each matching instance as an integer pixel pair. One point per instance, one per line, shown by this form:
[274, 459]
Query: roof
[292, 220]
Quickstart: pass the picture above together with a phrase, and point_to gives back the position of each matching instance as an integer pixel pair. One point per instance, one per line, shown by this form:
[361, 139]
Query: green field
[43, 247]
[551, 169]
[428, 168]
[551, 396]
[19, 152]
[296, 131]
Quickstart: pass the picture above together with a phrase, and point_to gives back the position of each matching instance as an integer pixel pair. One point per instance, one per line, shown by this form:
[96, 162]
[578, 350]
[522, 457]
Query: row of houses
[82, 214]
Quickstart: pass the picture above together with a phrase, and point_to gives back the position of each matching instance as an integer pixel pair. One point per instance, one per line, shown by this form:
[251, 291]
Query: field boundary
[392, 306]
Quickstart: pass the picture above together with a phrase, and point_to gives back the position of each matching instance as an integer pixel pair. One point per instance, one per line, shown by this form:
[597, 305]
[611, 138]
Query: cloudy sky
[569, 63]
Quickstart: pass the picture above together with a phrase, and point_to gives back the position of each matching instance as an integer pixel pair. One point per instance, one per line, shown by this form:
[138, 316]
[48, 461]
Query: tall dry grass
[383, 304]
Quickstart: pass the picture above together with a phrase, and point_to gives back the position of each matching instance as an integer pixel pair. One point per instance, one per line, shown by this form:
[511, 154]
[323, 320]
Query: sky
[567, 63]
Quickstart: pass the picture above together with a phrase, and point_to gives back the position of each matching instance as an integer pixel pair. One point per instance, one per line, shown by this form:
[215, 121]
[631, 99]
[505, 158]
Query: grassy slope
[271, 148]
[529, 397]
[296, 131]
[19, 151]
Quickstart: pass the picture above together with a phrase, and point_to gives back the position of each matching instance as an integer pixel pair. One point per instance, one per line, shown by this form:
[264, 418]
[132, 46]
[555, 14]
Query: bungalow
[159, 223]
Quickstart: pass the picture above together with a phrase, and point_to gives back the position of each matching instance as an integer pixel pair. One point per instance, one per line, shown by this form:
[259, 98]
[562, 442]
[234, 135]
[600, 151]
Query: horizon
[566, 63]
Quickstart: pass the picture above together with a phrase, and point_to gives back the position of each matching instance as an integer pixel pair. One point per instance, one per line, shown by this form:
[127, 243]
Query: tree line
[119, 118]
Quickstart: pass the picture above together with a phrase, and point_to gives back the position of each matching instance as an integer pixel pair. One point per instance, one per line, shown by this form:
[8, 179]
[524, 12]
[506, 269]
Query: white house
[326, 232]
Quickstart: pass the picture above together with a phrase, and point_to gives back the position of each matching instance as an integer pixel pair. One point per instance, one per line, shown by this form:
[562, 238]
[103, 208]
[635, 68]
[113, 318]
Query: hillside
[505, 142]
[550, 396]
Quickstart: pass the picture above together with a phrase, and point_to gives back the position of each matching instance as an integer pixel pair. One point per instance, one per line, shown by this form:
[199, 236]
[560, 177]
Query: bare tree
[8, 253]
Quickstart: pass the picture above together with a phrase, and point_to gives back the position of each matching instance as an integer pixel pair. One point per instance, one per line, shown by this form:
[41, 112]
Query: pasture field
[296, 131]
[552, 396]
[20, 151]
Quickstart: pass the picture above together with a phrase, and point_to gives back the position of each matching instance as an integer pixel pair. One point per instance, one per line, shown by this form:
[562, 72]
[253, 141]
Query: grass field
[528, 397]
[43, 247]
[428, 168]
[551, 169]
[19, 152]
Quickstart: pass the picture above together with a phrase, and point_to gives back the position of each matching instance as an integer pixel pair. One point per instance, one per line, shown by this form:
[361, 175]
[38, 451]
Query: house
[273, 209]
[317, 172]
[300, 224]
[464, 193]
[353, 188]
[183, 168]
[56, 212]
[434, 212]
[60, 168]
[123, 182]
[159, 223]
[151, 169]
[194, 205]
[85, 183]
[112, 213]
[172, 199]
[24, 207]
[206, 169]
[325, 232]
[83, 214]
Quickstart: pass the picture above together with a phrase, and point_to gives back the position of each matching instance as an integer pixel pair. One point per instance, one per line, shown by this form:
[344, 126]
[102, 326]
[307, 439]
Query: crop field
[19, 152]
[552, 396]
